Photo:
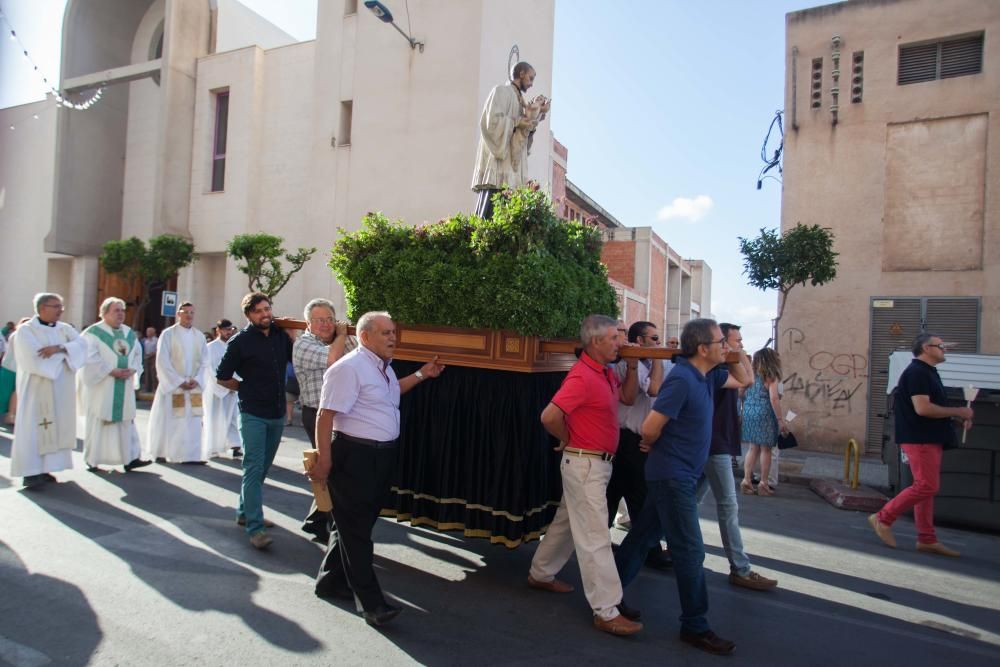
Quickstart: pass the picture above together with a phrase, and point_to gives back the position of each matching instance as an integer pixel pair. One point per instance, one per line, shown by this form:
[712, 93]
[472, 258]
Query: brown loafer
[554, 586]
[939, 549]
[619, 625]
[883, 531]
[710, 643]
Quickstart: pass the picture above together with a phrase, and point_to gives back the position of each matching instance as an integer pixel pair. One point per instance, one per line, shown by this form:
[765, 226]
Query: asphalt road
[149, 568]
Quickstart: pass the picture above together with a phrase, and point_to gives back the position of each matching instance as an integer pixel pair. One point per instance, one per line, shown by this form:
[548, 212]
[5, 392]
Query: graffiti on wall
[831, 382]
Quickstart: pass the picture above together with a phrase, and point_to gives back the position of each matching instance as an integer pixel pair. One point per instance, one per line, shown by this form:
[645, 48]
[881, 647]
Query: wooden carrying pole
[319, 489]
[547, 346]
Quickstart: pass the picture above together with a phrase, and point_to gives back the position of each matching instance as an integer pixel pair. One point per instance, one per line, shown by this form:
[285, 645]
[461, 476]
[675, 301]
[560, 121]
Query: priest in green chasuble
[108, 383]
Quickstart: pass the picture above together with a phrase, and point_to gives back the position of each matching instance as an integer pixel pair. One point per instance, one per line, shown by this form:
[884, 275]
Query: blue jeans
[719, 475]
[260, 443]
[671, 508]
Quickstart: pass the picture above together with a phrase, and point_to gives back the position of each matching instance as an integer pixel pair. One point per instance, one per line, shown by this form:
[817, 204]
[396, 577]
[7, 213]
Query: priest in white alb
[108, 383]
[175, 418]
[48, 354]
[221, 430]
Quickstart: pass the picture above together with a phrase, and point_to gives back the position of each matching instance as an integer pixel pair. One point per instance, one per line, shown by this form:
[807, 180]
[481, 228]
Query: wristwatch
[419, 375]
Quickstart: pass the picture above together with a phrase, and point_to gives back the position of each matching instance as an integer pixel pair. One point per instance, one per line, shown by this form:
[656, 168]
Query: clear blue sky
[656, 100]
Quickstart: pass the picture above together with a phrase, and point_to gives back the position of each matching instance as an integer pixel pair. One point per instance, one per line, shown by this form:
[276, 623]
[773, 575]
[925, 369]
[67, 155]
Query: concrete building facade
[891, 116]
[215, 123]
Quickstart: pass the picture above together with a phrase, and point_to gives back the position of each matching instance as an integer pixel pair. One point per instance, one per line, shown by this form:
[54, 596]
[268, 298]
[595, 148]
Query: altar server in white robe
[48, 352]
[222, 410]
[108, 383]
[175, 418]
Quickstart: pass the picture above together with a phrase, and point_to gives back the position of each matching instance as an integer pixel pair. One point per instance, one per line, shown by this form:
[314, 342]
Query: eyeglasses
[58, 306]
[722, 341]
[322, 320]
[623, 331]
[940, 347]
[654, 338]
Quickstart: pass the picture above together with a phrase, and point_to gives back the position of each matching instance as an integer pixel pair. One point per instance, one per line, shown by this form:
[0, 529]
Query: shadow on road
[190, 576]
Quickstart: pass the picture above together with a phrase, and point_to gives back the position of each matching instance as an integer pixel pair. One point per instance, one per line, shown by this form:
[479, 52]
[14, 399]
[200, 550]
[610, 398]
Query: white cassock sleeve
[496, 125]
[169, 378]
[28, 361]
[206, 364]
[97, 367]
[135, 363]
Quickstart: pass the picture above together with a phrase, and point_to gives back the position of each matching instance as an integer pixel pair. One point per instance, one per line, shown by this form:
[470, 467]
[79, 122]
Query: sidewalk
[802, 466]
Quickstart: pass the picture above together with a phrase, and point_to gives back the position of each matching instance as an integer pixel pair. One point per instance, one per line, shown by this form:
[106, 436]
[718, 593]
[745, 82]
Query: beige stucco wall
[906, 180]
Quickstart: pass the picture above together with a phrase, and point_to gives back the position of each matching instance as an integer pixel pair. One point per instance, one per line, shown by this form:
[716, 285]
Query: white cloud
[687, 208]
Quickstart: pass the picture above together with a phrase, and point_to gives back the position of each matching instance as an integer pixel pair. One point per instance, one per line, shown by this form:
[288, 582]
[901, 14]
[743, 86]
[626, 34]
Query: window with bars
[943, 59]
[219, 141]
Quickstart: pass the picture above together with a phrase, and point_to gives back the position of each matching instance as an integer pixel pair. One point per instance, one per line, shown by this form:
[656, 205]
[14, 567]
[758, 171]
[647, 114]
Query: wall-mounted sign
[882, 303]
[168, 307]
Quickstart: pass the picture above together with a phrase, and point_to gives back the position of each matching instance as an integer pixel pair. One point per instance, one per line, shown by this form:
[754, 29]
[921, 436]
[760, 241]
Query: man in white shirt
[48, 353]
[149, 360]
[221, 430]
[175, 418]
[107, 390]
[356, 434]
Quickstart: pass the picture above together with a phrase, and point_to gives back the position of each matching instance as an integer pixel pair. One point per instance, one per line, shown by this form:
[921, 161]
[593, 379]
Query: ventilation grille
[940, 60]
[816, 86]
[857, 76]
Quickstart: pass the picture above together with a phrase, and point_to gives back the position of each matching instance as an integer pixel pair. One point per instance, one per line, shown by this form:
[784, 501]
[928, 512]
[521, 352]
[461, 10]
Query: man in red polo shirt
[583, 415]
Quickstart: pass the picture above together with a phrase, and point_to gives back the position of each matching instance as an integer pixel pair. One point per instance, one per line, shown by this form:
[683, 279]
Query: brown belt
[604, 456]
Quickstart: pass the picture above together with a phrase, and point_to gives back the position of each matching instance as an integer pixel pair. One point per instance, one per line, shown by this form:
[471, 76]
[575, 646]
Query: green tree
[800, 255]
[148, 267]
[259, 257]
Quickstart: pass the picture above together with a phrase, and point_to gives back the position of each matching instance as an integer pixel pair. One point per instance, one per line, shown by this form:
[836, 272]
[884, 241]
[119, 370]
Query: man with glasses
[221, 430]
[48, 354]
[325, 341]
[677, 434]
[924, 428]
[628, 478]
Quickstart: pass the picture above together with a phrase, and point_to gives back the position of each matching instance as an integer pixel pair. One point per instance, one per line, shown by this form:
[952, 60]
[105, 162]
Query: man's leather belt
[604, 456]
[378, 444]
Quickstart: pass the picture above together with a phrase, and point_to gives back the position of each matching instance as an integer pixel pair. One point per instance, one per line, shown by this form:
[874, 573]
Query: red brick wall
[619, 256]
[634, 311]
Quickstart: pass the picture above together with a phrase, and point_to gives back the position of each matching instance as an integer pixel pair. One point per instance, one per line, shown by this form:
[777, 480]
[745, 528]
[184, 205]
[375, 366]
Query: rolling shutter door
[894, 325]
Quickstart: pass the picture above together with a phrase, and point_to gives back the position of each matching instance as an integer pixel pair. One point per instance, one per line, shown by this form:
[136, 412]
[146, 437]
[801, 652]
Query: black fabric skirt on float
[473, 455]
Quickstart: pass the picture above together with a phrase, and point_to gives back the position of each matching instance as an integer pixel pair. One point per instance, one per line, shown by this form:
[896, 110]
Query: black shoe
[193, 463]
[628, 612]
[382, 615]
[49, 478]
[33, 481]
[237, 453]
[96, 469]
[659, 559]
[136, 463]
[710, 643]
[161, 459]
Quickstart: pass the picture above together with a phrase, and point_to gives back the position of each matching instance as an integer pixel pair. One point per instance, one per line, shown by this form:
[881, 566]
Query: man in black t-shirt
[719, 473]
[923, 428]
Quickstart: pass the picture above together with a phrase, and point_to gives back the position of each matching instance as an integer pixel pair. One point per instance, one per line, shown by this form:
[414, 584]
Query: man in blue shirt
[677, 434]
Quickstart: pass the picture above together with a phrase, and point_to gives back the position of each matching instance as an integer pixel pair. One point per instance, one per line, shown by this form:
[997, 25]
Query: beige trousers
[581, 524]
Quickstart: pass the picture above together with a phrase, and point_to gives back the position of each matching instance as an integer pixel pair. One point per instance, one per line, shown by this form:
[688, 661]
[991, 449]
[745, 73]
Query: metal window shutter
[917, 63]
[891, 329]
[956, 320]
[961, 57]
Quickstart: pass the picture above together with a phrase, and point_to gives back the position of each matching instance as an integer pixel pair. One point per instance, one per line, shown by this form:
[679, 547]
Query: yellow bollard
[852, 445]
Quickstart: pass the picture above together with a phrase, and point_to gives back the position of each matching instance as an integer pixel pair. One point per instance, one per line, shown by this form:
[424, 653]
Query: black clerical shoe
[161, 459]
[237, 453]
[340, 591]
[709, 642]
[96, 469]
[383, 614]
[136, 463]
[628, 612]
[49, 478]
[659, 559]
[33, 481]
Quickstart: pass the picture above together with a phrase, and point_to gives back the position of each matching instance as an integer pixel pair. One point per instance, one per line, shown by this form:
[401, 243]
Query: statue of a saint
[506, 130]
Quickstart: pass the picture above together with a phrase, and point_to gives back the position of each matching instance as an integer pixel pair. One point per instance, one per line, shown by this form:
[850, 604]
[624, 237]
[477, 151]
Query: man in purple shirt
[357, 431]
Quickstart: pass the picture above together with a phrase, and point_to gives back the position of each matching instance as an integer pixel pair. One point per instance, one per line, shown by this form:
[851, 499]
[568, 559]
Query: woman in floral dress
[762, 420]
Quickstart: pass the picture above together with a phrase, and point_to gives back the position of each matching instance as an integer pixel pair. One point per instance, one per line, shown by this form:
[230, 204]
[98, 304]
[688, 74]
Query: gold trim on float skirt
[457, 525]
[467, 532]
[475, 506]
